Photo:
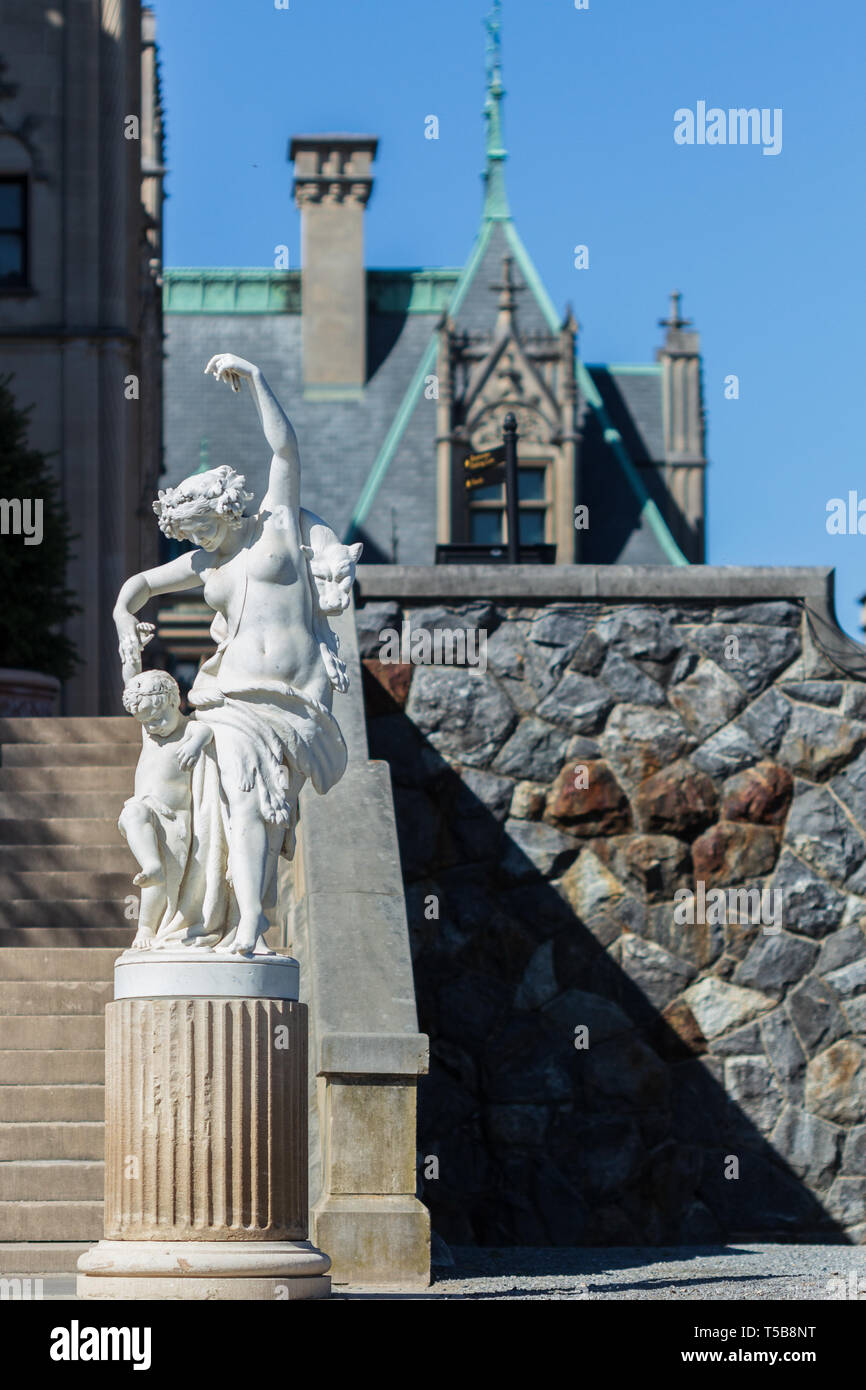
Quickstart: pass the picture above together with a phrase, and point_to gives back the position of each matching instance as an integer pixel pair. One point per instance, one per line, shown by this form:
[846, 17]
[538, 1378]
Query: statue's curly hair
[149, 686]
[178, 508]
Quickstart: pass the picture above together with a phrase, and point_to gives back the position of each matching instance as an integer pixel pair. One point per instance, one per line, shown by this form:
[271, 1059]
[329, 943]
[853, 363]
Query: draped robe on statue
[269, 737]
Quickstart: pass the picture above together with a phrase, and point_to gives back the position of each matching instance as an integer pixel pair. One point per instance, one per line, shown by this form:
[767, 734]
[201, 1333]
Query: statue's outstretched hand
[133, 636]
[226, 366]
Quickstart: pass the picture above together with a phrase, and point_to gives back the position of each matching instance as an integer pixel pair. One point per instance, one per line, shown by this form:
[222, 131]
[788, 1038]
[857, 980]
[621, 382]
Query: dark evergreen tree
[34, 599]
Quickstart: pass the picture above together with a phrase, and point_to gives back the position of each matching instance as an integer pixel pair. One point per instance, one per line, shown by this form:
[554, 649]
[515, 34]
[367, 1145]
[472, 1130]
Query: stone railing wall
[606, 1068]
[348, 930]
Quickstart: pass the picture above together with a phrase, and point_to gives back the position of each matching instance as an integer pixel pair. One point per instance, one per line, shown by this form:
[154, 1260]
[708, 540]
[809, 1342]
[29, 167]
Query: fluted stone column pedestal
[206, 1134]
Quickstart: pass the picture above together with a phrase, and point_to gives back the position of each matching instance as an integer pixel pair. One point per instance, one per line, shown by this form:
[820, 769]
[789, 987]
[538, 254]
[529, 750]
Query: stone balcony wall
[604, 1067]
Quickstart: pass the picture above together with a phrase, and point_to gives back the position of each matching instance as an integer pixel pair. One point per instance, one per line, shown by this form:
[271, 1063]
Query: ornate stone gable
[509, 380]
[485, 375]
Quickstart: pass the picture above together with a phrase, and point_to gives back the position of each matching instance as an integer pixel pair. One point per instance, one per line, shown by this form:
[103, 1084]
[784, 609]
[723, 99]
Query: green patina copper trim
[423, 291]
[231, 290]
[532, 277]
[391, 441]
[416, 386]
[628, 368]
[612, 437]
[476, 256]
[250, 290]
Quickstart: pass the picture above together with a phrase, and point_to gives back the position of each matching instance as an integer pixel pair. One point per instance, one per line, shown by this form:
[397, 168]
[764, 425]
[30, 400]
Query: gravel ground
[701, 1273]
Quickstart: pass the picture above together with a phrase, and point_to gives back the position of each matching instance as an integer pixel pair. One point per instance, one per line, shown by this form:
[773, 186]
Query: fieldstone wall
[600, 1072]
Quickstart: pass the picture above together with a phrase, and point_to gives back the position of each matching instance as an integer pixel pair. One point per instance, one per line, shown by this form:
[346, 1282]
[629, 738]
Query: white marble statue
[216, 795]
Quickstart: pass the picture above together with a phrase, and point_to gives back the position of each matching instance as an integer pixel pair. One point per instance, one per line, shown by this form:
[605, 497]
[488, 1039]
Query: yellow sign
[481, 470]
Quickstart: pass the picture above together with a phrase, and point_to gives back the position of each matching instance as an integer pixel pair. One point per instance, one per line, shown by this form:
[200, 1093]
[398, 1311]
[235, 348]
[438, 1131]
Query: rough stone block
[836, 1083]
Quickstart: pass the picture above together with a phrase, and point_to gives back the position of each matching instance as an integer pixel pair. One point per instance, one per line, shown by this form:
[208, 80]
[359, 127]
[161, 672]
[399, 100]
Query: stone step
[83, 729]
[42, 1032]
[64, 884]
[53, 912]
[50, 1220]
[67, 779]
[42, 1104]
[84, 805]
[54, 830]
[102, 859]
[29, 1257]
[67, 965]
[33, 755]
[51, 1180]
[57, 938]
[52, 997]
[42, 1067]
[44, 1139]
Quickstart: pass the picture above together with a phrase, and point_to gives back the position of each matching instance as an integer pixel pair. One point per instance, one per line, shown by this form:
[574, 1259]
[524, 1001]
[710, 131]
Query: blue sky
[766, 249]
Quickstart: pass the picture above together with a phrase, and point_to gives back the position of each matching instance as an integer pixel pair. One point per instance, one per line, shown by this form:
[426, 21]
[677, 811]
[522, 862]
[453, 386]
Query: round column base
[196, 1270]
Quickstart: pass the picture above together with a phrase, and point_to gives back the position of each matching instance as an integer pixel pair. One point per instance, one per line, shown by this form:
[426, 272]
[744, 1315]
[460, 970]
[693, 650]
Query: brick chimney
[332, 185]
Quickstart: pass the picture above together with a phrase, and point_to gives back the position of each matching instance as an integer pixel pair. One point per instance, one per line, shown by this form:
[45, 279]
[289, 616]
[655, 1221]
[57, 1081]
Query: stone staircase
[65, 877]
[66, 880]
[65, 872]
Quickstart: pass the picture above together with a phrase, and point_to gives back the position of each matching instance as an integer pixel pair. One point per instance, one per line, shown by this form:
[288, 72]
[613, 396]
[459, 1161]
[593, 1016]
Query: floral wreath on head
[149, 685]
[178, 507]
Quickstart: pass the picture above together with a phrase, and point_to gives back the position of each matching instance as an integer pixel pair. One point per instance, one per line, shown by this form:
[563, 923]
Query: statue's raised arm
[284, 482]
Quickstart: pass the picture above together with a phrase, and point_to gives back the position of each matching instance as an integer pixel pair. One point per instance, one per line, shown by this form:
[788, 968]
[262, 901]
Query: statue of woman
[266, 692]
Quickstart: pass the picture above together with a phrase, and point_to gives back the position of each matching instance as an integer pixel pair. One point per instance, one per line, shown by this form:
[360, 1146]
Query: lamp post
[512, 508]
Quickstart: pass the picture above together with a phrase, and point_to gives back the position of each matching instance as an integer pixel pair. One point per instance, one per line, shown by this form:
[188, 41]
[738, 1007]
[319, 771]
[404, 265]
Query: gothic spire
[496, 198]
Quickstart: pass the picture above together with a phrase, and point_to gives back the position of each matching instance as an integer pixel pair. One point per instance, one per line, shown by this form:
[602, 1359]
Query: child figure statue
[156, 820]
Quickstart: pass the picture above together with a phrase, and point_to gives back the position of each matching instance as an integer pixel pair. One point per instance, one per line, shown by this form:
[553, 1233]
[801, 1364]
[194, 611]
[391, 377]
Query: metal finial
[493, 25]
[496, 199]
[675, 320]
[508, 289]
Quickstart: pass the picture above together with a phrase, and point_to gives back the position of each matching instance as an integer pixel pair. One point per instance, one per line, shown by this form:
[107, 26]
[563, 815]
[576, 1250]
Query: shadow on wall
[613, 526]
[653, 1134]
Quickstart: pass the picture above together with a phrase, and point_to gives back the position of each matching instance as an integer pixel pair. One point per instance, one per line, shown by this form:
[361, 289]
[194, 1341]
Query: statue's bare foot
[150, 877]
[143, 940]
[262, 949]
[244, 943]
